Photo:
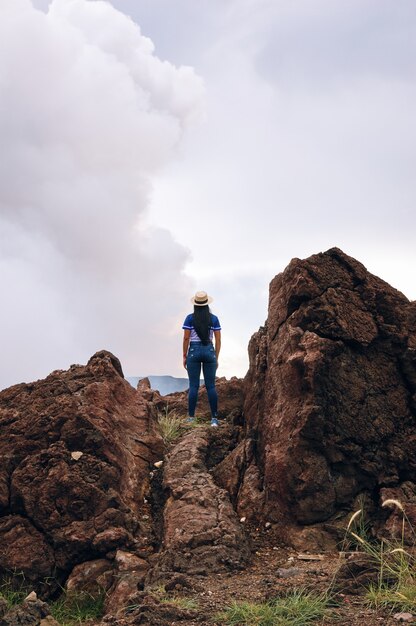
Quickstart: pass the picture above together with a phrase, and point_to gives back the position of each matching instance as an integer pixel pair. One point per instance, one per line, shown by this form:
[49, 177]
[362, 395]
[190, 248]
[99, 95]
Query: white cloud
[309, 143]
[88, 115]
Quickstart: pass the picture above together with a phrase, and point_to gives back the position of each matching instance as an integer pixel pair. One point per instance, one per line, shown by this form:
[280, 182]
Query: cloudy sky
[152, 148]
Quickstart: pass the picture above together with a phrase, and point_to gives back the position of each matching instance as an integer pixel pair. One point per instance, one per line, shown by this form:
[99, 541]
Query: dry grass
[297, 608]
[396, 565]
[171, 425]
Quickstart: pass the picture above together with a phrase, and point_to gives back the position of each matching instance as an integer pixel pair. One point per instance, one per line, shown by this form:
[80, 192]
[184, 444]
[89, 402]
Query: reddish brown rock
[143, 384]
[240, 476]
[358, 572]
[29, 613]
[91, 577]
[24, 549]
[202, 533]
[399, 505]
[146, 609]
[75, 454]
[129, 578]
[330, 392]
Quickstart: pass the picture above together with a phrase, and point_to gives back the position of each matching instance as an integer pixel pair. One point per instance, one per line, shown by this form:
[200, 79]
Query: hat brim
[209, 300]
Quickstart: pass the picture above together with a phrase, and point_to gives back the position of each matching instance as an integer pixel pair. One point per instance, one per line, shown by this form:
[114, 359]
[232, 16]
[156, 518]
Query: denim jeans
[198, 355]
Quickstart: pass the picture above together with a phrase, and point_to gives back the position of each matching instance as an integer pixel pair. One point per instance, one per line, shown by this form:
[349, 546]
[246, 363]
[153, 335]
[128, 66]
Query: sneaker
[214, 422]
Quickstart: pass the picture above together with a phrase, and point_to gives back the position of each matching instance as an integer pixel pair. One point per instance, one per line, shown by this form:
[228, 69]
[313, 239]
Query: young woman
[200, 327]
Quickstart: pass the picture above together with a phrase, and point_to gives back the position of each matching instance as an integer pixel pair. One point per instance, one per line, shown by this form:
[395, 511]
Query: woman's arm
[186, 336]
[217, 336]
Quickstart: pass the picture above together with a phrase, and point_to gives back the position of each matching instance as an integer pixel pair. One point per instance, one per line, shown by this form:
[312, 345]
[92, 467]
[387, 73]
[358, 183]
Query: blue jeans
[198, 355]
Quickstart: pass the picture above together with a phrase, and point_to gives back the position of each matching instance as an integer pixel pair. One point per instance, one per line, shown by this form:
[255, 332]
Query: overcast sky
[152, 148]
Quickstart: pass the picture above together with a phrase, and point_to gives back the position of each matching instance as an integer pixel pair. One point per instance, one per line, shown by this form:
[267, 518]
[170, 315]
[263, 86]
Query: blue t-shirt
[189, 325]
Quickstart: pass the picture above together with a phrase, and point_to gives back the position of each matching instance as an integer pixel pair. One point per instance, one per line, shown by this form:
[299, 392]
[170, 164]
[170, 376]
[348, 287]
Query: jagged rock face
[330, 392]
[75, 450]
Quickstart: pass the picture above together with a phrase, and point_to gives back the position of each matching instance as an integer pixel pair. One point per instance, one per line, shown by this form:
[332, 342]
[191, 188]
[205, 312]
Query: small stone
[32, 597]
[267, 525]
[158, 464]
[76, 455]
[311, 557]
[275, 548]
[242, 519]
[291, 558]
[209, 593]
[288, 572]
[403, 617]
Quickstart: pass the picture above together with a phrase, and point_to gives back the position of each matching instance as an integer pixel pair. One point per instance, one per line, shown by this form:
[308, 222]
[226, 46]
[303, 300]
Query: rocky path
[202, 533]
[209, 558]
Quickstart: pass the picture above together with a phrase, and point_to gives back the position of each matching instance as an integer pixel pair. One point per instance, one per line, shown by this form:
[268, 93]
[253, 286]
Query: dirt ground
[274, 571]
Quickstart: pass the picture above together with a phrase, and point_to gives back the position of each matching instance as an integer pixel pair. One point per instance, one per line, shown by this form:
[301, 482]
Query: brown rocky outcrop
[32, 612]
[75, 455]
[330, 392]
[202, 532]
[323, 422]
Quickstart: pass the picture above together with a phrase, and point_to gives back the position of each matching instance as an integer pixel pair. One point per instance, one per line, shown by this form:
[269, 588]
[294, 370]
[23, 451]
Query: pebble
[267, 525]
[32, 597]
[403, 617]
[242, 519]
[76, 455]
[158, 464]
[281, 572]
[311, 557]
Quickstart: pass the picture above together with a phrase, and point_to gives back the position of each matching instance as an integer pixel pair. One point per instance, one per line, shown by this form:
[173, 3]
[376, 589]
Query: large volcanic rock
[75, 454]
[202, 532]
[330, 392]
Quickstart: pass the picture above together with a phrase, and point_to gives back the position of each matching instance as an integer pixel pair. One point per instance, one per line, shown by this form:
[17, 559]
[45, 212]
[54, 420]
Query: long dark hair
[202, 322]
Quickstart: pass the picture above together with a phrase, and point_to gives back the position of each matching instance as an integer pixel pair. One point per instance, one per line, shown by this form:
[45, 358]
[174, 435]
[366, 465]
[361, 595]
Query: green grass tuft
[183, 603]
[400, 596]
[395, 563]
[170, 425]
[72, 609]
[297, 608]
[14, 589]
[163, 596]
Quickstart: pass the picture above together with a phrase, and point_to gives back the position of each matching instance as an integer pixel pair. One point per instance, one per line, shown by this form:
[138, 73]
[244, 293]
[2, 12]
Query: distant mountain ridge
[163, 384]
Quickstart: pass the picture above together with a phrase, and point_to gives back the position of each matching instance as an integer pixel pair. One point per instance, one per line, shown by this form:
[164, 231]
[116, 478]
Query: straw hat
[201, 298]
